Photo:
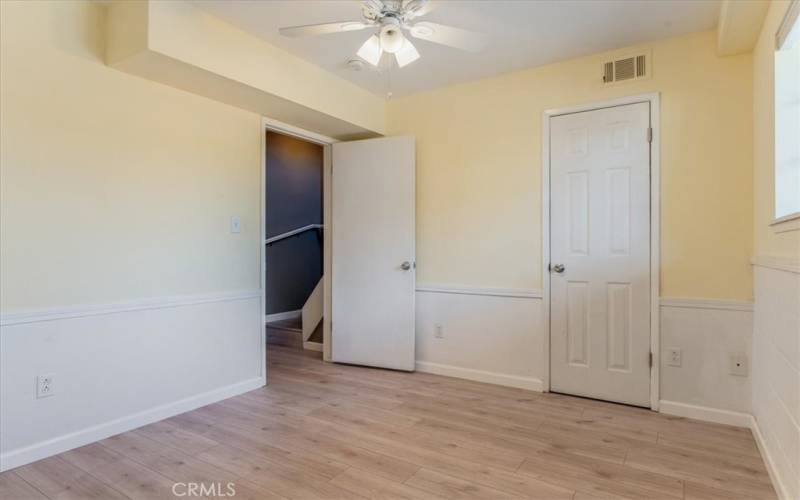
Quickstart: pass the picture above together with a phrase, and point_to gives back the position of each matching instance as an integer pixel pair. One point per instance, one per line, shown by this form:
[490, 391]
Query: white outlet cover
[45, 385]
[236, 224]
[674, 357]
[437, 331]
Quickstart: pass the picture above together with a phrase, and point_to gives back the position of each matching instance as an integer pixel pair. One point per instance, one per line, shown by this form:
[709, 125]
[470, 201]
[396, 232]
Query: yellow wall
[479, 161]
[766, 241]
[114, 187]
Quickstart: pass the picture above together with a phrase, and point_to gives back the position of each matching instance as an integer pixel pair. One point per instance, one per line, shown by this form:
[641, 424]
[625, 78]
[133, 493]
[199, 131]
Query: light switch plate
[236, 224]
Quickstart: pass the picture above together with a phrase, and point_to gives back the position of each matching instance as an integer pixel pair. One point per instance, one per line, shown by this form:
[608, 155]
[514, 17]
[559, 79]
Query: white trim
[278, 126]
[786, 223]
[705, 413]
[655, 226]
[778, 263]
[83, 311]
[519, 382]
[691, 303]
[787, 24]
[268, 318]
[483, 291]
[22, 456]
[545, 223]
[772, 469]
[610, 103]
[312, 346]
[327, 252]
[325, 142]
[262, 249]
[655, 249]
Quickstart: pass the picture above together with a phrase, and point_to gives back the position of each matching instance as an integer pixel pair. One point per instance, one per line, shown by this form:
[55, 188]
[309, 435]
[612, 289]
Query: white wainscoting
[776, 371]
[497, 336]
[707, 331]
[120, 366]
[490, 335]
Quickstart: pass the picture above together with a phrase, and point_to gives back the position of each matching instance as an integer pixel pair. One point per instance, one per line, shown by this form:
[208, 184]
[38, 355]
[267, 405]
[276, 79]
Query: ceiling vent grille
[626, 68]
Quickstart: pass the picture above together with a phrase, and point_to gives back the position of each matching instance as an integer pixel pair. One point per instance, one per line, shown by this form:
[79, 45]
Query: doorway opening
[294, 247]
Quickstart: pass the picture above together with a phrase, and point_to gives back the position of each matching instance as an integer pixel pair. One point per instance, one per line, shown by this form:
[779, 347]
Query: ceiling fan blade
[372, 8]
[417, 8]
[448, 35]
[323, 29]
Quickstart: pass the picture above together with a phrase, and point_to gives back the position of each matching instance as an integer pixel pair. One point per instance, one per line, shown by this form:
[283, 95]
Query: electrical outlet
[438, 331]
[45, 385]
[236, 224]
[673, 357]
[738, 362]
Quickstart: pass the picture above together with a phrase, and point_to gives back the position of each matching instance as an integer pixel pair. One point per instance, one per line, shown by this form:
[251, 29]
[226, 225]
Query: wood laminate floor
[321, 431]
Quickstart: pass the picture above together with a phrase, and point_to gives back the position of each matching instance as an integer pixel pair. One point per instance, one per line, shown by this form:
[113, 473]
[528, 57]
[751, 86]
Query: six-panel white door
[600, 254]
[373, 244]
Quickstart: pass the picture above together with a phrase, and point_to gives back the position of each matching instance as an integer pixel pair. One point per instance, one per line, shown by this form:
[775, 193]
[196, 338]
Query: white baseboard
[312, 346]
[283, 315]
[529, 383]
[38, 451]
[777, 483]
[705, 413]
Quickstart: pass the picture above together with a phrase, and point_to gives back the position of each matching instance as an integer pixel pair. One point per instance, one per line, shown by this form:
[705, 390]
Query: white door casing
[600, 232]
[373, 235]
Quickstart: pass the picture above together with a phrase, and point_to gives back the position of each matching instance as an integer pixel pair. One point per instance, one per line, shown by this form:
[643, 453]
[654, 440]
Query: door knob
[405, 266]
[559, 268]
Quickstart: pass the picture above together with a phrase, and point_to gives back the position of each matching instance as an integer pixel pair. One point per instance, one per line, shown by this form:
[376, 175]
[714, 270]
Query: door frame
[655, 228]
[325, 142]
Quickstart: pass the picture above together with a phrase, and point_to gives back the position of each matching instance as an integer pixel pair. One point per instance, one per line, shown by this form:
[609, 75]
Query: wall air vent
[626, 68]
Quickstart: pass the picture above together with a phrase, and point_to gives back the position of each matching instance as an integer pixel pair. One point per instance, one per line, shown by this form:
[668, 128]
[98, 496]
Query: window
[787, 116]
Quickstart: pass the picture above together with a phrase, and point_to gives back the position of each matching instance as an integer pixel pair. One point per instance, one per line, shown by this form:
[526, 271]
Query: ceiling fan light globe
[371, 50]
[392, 39]
[407, 54]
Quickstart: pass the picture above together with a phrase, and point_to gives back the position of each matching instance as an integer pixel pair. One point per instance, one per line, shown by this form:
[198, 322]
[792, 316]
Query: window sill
[786, 223]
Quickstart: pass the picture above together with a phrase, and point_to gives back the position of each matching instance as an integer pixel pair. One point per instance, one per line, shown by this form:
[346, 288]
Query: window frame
[790, 22]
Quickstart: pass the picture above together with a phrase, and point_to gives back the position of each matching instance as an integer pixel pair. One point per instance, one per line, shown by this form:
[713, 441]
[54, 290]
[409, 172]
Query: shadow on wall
[293, 200]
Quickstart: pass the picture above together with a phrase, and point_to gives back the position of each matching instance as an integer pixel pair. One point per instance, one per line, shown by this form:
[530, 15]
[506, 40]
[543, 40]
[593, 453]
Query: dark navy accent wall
[294, 199]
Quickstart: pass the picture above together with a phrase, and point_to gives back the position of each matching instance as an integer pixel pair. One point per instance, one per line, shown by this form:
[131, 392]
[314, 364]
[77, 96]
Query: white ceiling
[521, 34]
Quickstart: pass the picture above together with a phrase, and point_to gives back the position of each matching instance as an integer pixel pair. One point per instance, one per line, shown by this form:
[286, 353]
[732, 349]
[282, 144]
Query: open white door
[373, 269]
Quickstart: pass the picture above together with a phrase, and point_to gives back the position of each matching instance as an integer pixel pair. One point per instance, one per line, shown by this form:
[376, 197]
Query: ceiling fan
[391, 18]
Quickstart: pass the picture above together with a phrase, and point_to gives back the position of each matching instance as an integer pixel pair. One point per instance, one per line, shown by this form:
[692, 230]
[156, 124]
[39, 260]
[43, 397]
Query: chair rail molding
[778, 263]
[522, 293]
[698, 303]
[82, 311]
